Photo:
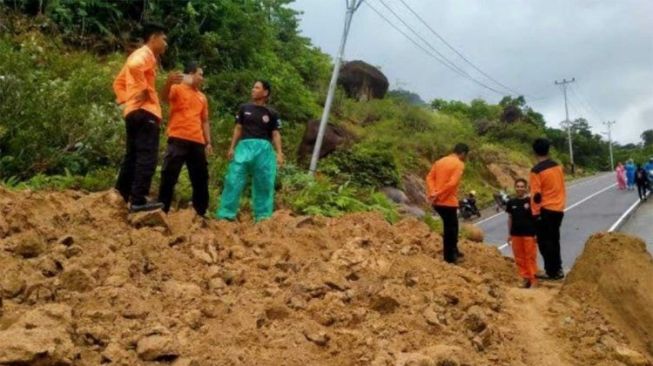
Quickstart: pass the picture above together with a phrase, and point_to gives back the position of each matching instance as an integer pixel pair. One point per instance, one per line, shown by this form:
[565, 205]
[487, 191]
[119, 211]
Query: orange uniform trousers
[524, 249]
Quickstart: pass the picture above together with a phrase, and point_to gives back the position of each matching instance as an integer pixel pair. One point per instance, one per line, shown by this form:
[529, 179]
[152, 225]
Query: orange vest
[547, 182]
[443, 180]
[188, 110]
[138, 74]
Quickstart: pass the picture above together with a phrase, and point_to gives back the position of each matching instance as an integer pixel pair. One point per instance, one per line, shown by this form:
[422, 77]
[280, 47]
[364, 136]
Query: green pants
[255, 158]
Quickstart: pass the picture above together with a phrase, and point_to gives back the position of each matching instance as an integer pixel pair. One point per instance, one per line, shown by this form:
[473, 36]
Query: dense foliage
[59, 127]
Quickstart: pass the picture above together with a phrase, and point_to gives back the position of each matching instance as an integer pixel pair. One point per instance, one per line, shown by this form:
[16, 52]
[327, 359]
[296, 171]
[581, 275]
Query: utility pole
[609, 124]
[352, 6]
[564, 83]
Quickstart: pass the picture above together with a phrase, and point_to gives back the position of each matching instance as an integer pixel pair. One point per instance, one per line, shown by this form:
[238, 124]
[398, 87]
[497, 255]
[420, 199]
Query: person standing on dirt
[521, 226]
[255, 151]
[189, 139]
[136, 93]
[548, 196]
[442, 189]
[643, 182]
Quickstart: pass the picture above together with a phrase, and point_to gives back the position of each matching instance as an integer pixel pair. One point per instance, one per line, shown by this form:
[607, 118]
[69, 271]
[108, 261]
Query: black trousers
[178, 153]
[548, 240]
[140, 159]
[641, 190]
[450, 232]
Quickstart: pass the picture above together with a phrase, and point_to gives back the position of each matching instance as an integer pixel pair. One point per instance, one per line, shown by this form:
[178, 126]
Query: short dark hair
[522, 180]
[541, 147]
[461, 148]
[266, 85]
[150, 29]
[191, 67]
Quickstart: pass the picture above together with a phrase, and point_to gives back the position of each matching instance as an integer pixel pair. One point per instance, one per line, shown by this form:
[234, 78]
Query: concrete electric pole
[609, 124]
[564, 83]
[352, 6]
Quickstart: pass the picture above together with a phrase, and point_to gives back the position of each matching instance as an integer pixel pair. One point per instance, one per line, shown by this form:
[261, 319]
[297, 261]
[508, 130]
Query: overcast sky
[526, 45]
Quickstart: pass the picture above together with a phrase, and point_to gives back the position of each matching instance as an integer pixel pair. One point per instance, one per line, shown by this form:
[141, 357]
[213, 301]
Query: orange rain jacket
[547, 182]
[443, 180]
[138, 74]
[188, 111]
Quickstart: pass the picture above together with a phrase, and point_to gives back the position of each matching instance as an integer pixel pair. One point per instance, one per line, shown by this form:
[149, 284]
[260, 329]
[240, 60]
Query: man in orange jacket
[442, 189]
[136, 93]
[548, 198]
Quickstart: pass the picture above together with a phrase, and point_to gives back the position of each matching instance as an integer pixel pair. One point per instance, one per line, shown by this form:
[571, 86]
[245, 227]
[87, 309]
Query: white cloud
[606, 45]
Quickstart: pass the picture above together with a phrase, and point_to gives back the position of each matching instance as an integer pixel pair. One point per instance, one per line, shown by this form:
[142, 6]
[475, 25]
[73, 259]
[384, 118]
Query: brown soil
[84, 283]
[614, 275]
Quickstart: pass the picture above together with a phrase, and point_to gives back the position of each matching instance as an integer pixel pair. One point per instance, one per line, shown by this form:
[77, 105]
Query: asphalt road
[593, 204]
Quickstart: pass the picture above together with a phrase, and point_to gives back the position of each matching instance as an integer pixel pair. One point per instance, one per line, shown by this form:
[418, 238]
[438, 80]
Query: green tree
[647, 137]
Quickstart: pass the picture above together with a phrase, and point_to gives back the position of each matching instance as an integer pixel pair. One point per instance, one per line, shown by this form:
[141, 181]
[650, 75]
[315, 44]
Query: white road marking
[488, 218]
[589, 197]
[623, 217]
[574, 184]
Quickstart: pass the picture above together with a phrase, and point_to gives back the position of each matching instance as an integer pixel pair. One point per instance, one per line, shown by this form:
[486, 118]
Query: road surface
[593, 204]
[641, 223]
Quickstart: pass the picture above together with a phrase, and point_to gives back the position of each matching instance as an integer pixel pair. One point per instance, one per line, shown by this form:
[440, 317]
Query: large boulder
[334, 136]
[363, 81]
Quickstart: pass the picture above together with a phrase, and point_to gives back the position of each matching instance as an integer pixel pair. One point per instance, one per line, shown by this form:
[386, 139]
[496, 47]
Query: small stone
[385, 304]
[297, 303]
[49, 267]
[157, 347]
[630, 357]
[318, 337]
[276, 312]
[431, 316]
[66, 240]
[29, 245]
[217, 284]
[475, 320]
[154, 219]
[11, 285]
[203, 256]
[73, 251]
[77, 279]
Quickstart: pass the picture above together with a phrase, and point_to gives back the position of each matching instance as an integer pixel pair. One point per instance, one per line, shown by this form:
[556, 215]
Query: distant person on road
[643, 182]
[621, 176]
[649, 169]
[442, 188]
[630, 174]
[255, 152]
[548, 197]
[135, 91]
[521, 226]
[189, 139]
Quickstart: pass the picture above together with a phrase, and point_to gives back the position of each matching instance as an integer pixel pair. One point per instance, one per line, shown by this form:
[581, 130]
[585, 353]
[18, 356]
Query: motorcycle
[467, 208]
[501, 199]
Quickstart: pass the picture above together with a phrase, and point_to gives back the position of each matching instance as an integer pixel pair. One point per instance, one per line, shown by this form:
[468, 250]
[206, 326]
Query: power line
[457, 52]
[441, 58]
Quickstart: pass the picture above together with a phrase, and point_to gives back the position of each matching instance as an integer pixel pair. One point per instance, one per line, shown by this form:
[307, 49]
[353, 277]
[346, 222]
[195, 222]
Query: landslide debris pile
[611, 284]
[84, 283]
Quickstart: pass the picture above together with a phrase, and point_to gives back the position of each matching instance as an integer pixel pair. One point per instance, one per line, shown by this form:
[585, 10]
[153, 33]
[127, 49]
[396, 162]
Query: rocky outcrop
[362, 81]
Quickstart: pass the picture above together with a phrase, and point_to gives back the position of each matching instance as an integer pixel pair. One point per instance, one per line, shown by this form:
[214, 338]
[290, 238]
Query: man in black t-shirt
[521, 225]
[255, 151]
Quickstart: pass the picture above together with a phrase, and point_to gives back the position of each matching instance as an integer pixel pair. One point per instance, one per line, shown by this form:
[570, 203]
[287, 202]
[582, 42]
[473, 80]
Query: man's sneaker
[545, 277]
[149, 206]
[526, 283]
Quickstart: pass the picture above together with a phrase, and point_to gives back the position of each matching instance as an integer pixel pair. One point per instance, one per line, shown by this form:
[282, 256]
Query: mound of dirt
[614, 275]
[84, 283]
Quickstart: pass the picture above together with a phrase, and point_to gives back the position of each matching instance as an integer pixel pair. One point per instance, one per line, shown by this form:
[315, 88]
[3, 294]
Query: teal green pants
[253, 158]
